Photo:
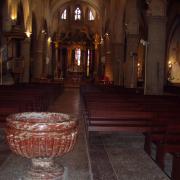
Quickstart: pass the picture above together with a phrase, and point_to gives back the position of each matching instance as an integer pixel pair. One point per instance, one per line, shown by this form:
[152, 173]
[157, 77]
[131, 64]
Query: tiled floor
[13, 167]
[121, 157]
[106, 157]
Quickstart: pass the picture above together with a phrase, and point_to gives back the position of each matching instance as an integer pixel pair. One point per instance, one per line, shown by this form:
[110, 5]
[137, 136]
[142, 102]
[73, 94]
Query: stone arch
[20, 16]
[64, 3]
[173, 55]
[88, 9]
[143, 35]
[74, 8]
[27, 15]
[45, 33]
[173, 23]
[59, 4]
[73, 34]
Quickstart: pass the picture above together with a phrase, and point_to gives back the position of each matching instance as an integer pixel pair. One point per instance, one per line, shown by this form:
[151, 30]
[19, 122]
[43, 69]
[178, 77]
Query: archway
[173, 60]
[75, 41]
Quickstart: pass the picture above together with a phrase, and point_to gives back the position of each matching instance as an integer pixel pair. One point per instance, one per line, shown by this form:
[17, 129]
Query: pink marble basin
[41, 136]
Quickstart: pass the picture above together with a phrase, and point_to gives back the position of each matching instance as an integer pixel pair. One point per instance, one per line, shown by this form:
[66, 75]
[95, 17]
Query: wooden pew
[155, 116]
[23, 98]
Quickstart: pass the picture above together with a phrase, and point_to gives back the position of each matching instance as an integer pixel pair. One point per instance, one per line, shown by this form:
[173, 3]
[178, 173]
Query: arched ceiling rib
[55, 5]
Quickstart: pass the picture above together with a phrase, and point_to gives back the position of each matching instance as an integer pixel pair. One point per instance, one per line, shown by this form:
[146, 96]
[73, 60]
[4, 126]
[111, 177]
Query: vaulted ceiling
[55, 4]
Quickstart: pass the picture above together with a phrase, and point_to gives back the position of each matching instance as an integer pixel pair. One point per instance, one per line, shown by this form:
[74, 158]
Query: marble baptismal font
[42, 136]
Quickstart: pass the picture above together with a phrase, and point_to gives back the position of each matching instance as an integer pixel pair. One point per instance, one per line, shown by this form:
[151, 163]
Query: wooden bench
[25, 97]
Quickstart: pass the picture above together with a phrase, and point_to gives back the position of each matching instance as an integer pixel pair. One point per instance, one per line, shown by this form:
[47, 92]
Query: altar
[75, 73]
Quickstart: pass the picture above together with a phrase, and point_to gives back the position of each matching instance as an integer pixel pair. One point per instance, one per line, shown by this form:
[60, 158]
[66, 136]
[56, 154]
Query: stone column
[45, 57]
[155, 55]
[130, 79]
[91, 65]
[69, 51]
[53, 55]
[96, 63]
[61, 63]
[101, 71]
[108, 59]
[118, 57]
[49, 59]
[84, 62]
[56, 59]
[26, 55]
[38, 63]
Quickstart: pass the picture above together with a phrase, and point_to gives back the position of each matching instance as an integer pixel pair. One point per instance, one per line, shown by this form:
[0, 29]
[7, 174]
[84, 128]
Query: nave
[100, 157]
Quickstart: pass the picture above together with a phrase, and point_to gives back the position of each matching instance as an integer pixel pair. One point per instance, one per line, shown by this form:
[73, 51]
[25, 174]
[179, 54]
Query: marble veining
[41, 138]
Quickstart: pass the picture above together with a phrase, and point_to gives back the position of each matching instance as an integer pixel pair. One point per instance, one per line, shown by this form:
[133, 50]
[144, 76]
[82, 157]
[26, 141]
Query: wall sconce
[138, 70]
[13, 20]
[28, 34]
[56, 43]
[102, 40]
[49, 40]
[143, 42]
[169, 75]
[43, 31]
[125, 27]
[169, 64]
[13, 17]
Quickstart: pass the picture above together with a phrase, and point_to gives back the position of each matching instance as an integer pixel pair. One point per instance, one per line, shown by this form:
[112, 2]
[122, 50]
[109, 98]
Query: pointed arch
[27, 14]
[77, 13]
[91, 15]
[64, 14]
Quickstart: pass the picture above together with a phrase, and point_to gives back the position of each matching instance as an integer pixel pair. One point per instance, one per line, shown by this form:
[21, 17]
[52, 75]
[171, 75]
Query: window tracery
[64, 15]
[78, 56]
[91, 16]
[77, 14]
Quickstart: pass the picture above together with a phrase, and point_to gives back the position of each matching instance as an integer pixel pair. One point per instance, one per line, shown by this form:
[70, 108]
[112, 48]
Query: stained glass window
[64, 14]
[77, 15]
[78, 56]
[88, 61]
[91, 16]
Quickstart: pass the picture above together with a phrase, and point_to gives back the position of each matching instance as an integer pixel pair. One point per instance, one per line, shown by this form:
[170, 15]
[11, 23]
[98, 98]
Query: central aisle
[75, 162]
[114, 156]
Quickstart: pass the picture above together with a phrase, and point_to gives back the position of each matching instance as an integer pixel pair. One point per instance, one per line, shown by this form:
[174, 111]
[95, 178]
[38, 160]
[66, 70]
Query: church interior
[112, 64]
